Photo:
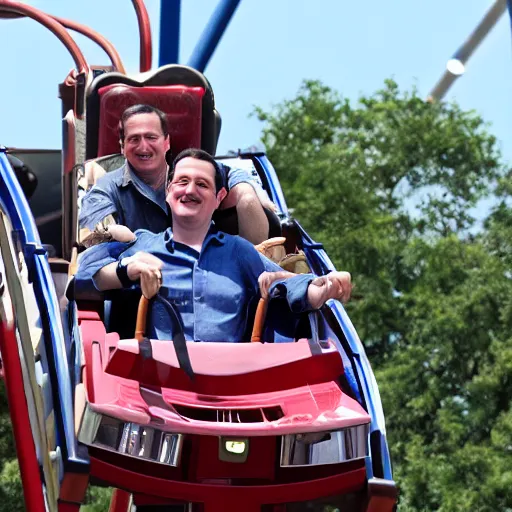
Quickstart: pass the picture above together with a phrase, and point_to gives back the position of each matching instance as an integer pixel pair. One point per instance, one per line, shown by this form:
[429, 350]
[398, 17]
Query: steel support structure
[169, 47]
[509, 4]
[212, 34]
[463, 54]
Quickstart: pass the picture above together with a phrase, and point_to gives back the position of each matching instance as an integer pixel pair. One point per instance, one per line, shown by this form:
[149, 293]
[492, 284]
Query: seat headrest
[183, 93]
[182, 104]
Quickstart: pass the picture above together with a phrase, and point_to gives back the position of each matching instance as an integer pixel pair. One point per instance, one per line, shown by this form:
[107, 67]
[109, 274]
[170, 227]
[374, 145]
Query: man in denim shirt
[209, 277]
[135, 193]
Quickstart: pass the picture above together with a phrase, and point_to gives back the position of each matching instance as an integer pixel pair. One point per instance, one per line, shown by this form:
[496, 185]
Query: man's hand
[267, 203]
[105, 231]
[267, 278]
[146, 267]
[336, 285]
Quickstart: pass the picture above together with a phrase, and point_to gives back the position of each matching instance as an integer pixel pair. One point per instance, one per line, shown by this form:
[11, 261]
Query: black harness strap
[180, 344]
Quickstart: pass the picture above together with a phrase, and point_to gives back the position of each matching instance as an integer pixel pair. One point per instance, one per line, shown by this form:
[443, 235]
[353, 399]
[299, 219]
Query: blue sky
[268, 49]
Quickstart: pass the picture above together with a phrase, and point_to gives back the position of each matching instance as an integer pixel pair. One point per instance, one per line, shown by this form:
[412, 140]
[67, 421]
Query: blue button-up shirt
[212, 290]
[135, 204]
[132, 202]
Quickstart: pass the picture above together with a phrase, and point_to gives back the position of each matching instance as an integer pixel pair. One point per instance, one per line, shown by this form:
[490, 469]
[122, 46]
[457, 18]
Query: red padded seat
[280, 384]
[183, 93]
[226, 368]
[182, 104]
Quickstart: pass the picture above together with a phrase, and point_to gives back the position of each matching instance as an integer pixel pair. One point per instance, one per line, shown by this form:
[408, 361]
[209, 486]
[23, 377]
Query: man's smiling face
[144, 144]
[191, 193]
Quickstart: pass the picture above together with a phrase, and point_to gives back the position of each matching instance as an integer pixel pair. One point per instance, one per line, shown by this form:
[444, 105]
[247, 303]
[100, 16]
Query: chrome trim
[319, 448]
[139, 441]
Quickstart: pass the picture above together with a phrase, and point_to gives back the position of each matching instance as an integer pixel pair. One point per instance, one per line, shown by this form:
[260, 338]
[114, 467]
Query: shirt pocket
[178, 298]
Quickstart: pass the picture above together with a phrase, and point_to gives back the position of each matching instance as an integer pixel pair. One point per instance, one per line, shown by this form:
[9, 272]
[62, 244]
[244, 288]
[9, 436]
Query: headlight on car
[233, 449]
[329, 447]
[129, 438]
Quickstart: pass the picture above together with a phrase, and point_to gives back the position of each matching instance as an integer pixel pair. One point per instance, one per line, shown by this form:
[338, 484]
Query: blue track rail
[360, 375]
[16, 207]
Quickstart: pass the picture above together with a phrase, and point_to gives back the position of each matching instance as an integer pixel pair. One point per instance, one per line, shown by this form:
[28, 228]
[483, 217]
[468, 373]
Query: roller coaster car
[261, 426]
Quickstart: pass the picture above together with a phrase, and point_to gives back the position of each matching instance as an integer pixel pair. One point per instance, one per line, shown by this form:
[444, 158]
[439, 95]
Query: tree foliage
[389, 185]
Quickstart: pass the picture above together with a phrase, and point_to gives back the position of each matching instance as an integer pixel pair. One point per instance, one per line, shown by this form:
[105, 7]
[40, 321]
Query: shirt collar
[127, 174]
[213, 235]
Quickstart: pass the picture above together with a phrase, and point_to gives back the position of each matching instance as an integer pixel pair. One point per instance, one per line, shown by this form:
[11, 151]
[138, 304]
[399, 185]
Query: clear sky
[268, 49]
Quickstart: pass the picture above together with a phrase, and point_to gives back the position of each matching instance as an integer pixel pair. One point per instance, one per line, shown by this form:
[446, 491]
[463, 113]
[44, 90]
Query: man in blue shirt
[134, 194]
[208, 277]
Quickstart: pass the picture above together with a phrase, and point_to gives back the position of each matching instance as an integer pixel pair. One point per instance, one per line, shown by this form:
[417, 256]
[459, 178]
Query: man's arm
[106, 278]
[124, 243]
[303, 292]
[96, 205]
[306, 292]
[252, 221]
[335, 285]
[246, 193]
[141, 266]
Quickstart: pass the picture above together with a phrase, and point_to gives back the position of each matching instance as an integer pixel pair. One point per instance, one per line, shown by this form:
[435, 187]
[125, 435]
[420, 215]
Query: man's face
[191, 193]
[144, 143]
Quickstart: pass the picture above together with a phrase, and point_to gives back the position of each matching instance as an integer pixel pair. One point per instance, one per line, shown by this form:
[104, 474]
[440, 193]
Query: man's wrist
[122, 273]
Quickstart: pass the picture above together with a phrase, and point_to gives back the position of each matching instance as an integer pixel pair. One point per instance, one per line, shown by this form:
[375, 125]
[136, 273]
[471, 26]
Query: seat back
[225, 369]
[69, 185]
[181, 104]
[182, 93]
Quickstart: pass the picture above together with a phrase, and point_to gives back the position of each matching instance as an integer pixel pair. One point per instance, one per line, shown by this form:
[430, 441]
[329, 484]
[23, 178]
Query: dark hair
[221, 180]
[142, 109]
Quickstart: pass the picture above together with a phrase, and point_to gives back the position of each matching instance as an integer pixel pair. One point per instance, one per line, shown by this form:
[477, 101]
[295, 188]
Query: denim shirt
[135, 204]
[212, 290]
[132, 202]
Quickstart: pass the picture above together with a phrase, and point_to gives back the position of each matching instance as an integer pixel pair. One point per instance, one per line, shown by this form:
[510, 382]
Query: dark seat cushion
[227, 221]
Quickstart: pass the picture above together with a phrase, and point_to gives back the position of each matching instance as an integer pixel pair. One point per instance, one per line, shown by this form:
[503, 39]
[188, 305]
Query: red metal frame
[146, 47]
[217, 498]
[100, 40]
[120, 501]
[18, 410]
[11, 7]
[91, 34]
[69, 507]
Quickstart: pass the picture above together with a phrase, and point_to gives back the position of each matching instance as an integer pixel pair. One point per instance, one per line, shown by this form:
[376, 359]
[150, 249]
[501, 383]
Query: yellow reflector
[235, 447]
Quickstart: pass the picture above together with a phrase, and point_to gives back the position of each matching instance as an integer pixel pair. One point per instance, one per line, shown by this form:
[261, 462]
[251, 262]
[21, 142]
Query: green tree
[98, 499]
[388, 184]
